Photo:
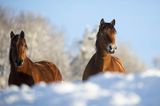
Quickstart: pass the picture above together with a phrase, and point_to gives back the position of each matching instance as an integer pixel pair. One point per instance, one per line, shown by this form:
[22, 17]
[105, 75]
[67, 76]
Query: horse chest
[25, 70]
[107, 64]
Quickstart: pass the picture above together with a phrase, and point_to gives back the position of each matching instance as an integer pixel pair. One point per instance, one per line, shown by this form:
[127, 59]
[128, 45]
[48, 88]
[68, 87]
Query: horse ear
[22, 34]
[11, 34]
[102, 21]
[113, 22]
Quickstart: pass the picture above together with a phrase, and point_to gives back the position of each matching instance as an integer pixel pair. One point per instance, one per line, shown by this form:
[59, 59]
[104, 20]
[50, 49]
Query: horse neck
[101, 54]
[102, 60]
[10, 58]
[100, 49]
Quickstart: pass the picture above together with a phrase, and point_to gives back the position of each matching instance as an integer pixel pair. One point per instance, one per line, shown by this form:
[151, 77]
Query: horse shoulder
[56, 71]
[107, 64]
[90, 68]
[118, 65]
[36, 73]
[50, 65]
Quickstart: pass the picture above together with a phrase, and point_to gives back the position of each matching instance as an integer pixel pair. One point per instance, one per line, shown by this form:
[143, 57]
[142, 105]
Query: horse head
[106, 36]
[18, 48]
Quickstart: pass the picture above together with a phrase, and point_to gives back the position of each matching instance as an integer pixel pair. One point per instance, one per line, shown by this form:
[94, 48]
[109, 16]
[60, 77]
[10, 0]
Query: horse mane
[10, 56]
[97, 44]
[10, 59]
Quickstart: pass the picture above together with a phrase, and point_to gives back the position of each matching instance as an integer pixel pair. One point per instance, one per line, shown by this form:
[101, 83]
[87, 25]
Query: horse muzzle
[111, 48]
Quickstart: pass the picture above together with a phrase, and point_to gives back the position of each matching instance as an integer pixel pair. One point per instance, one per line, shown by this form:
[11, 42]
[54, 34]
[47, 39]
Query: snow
[100, 90]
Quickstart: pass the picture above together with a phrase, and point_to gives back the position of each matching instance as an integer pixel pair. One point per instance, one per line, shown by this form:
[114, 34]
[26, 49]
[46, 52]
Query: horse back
[46, 71]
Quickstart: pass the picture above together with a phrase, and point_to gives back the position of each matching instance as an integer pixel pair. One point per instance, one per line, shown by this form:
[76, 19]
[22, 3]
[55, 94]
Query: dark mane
[10, 59]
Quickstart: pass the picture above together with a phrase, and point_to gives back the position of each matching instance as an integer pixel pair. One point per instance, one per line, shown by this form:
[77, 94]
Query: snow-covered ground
[101, 90]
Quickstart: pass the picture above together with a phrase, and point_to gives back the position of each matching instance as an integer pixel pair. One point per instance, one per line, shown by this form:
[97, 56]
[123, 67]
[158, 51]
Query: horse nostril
[116, 48]
[110, 47]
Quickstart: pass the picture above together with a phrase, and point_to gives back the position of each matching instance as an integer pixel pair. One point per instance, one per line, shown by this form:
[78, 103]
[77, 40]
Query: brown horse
[102, 60]
[23, 70]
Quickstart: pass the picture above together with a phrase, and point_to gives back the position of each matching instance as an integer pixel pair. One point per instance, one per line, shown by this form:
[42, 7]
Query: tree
[5, 21]
[4, 27]
[130, 60]
[156, 62]
[87, 49]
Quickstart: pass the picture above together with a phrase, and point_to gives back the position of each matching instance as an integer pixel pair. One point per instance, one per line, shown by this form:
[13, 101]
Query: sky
[137, 21]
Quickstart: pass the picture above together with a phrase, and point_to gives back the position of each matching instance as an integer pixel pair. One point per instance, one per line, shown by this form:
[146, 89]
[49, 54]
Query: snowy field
[101, 90]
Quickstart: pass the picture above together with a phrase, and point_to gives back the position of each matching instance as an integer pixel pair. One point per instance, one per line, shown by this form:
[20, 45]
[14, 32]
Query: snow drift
[101, 90]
